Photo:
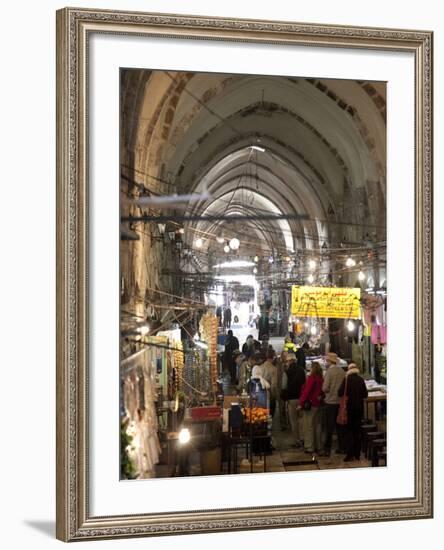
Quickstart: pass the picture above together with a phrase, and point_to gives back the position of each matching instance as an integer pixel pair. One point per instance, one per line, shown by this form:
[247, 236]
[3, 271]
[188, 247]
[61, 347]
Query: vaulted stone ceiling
[324, 154]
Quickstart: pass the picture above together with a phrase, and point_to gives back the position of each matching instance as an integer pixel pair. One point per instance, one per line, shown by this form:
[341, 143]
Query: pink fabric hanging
[379, 334]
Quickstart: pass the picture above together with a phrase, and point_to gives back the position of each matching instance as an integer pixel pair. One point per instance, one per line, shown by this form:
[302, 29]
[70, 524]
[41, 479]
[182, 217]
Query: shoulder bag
[342, 418]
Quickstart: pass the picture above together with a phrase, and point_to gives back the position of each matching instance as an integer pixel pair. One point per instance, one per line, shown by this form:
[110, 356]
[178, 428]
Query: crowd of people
[305, 403]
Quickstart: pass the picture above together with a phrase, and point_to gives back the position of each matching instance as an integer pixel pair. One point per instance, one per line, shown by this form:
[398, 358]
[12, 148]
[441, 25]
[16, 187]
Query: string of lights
[212, 236]
[257, 213]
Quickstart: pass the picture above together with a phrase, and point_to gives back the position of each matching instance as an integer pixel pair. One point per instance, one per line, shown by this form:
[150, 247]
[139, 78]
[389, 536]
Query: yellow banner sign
[315, 301]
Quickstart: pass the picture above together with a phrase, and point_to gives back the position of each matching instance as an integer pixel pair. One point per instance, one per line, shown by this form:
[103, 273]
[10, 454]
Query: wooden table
[374, 397]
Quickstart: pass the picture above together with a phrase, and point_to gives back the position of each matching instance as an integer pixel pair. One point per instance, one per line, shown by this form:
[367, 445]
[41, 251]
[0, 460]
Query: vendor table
[374, 397]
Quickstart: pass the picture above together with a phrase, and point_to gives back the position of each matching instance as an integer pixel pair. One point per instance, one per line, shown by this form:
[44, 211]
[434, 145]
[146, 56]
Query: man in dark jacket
[264, 326]
[231, 344]
[294, 379]
[301, 355]
[355, 389]
[251, 346]
[227, 317]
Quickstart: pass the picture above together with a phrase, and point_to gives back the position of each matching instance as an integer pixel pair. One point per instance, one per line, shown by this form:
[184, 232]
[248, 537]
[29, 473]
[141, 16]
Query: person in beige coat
[334, 376]
[270, 374]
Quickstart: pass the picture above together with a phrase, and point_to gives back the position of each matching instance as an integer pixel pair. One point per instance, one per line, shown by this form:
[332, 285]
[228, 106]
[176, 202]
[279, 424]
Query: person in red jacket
[309, 402]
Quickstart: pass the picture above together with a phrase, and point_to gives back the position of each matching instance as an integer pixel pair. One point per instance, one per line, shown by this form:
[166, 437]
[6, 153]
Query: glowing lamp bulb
[350, 326]
[199, 243]
[184, 436]
[256, 259]
[226, 249]
[313, 331]
[220, 240]
[361, 276]
[234, 243]
[350, 262]
[255, 270]
[311, 264]
[310, 279]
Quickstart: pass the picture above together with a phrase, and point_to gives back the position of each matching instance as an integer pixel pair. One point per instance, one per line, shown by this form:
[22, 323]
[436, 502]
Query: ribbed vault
[322, 154]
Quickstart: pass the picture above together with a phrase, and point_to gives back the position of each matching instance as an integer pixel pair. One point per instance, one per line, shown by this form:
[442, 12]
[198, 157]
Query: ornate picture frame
[74, 520]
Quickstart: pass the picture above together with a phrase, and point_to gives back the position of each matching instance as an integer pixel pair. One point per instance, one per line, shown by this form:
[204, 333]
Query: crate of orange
[255, 418]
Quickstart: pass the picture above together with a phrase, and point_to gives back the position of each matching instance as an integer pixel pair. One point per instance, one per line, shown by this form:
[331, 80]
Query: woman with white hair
[258, 388]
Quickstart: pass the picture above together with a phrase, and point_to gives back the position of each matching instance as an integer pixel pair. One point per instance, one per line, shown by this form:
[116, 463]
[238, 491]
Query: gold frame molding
[73, 519]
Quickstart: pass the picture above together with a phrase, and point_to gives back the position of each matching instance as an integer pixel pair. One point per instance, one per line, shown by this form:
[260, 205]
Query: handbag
[307, 402]
[342, 418]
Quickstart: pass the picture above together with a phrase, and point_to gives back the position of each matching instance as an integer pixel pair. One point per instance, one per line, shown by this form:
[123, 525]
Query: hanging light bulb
[255, 270]
[198, 243]
[310, 279]
[220, 240]
[350, 262]
[287, 259]
[361, 276]
[181, 230]
[311, 264]
[350, 326]
[226, 249]
[234, 244]
[256, 259]
[313, 331]
[271, 259]
[184, 435]
[144, 330]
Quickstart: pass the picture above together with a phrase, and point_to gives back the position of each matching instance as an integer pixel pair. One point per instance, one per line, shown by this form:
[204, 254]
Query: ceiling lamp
[198, 243]
[311, 264]
[310, 279]
[350, 262]
[313, 331]
[350, 326]
[181, 230]
[226, 249]
[361, 276]
[184, 436]
[256, 259]
[234, 243]
[255, 270]
[143, 330]
[220, 240]
[287, 259]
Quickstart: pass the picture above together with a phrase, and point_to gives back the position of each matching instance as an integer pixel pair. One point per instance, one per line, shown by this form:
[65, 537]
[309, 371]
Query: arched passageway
[236, 189]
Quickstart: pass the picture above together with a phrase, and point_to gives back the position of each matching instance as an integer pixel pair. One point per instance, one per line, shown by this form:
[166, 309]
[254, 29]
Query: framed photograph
[244, 274]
